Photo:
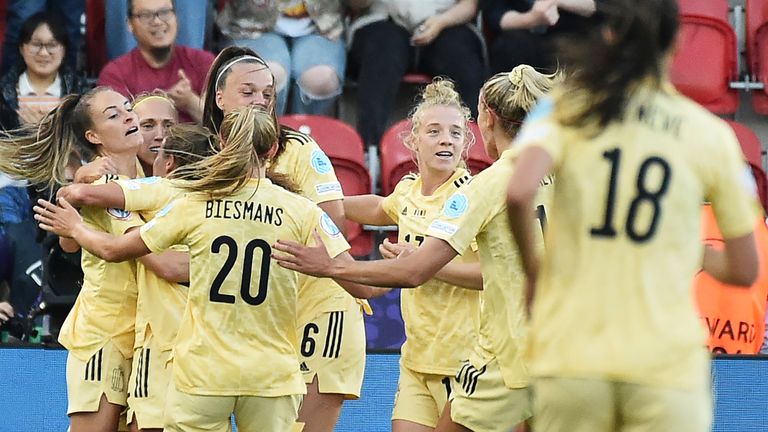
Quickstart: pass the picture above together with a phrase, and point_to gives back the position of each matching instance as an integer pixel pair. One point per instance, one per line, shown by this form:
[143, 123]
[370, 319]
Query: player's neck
[124, 163]
[502, 139]
[432, 180]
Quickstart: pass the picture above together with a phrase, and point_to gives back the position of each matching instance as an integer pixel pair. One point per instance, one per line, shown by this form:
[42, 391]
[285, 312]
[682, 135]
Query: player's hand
[61, 220]
[428, 31]
[391, 250]
[6, 312]
[71, 193]
[313, 260]
[93, 171]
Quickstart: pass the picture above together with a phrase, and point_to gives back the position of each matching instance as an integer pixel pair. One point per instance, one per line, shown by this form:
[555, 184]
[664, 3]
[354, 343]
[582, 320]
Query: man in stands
[157, 62]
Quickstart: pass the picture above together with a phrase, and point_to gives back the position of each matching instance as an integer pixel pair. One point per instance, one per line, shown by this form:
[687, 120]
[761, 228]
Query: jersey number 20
[245, 280]
[649, 195]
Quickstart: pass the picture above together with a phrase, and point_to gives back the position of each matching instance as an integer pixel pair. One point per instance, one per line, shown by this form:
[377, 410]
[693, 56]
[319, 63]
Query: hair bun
[516, 75]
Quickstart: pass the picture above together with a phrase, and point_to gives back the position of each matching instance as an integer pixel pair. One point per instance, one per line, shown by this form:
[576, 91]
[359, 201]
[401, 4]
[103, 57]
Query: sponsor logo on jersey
[320, 162]
[328, 226]
[326, 188]
[443, 227]
[119, 213]
[456, 205]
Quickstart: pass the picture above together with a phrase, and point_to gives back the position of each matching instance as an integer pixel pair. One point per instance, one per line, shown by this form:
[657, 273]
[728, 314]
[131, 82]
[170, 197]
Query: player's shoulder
[293, 137]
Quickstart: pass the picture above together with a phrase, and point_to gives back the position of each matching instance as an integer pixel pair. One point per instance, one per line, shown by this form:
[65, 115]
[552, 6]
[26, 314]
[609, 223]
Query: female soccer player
[99, 331]
[157, 112]
[616, 342]
[161, 296]
[441, 319]
[490, 391]
[330, 320]
[235, 351]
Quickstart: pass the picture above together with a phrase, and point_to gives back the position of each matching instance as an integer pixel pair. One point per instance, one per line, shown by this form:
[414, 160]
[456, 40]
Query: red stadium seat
[344, 147]
[753, 153]
[705, 62]
[757, 50]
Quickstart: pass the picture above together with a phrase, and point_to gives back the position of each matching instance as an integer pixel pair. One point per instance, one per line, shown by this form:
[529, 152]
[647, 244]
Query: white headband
[234, 61]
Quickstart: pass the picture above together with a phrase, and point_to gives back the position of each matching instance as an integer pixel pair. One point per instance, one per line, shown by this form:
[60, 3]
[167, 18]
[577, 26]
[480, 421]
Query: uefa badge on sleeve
[328, 226]
[456, 205]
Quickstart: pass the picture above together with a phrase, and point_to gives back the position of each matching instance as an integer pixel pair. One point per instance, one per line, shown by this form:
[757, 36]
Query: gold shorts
[192, 413]
[420, 397]
[593, 405]
[332, 348]
[482, 402]
[151, 376]
[106, 372]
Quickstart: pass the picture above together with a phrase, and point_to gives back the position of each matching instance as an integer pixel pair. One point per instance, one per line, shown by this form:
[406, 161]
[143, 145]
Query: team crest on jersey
[320, 162]
[328, 226]
[456, 205]
[119, 213]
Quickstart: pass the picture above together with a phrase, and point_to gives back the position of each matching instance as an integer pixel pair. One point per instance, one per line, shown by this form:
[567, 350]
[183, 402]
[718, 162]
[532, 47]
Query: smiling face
[153, 24]
[115, 126]
[440, 139]
[42, 54]
[247, 84]
[156, 115]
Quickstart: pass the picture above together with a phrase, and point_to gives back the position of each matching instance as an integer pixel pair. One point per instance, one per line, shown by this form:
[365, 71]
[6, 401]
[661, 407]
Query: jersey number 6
[245, 280]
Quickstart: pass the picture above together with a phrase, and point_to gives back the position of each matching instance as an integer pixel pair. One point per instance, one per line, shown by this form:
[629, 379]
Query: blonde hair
[40, 153]
[440, 92]
[189, 143]
[155, 94]
[249, 133]
[510, 95]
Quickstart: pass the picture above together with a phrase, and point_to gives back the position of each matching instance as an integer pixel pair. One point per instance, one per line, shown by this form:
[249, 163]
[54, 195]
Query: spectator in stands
[389, 38]
[19, 229]
[157, 61]
[71, 11]
[192, 16]
[33, 87]
[522, 31]
[302, 44]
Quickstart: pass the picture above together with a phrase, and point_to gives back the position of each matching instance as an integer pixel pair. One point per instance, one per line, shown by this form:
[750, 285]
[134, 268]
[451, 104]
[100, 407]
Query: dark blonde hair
[510, 95]
[627, 45]
[40, 153]
[156, 93]
[440, 92]
[248, 133]
[190, 143]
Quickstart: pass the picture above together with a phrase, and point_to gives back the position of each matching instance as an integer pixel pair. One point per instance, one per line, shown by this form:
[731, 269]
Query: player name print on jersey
[245, 210]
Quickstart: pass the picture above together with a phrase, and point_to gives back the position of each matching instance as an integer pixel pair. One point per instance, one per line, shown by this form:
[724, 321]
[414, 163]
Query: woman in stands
[334, 360]
[99, 331]
[229, 218]
[616, 341]
[441, 318]
[490, 391]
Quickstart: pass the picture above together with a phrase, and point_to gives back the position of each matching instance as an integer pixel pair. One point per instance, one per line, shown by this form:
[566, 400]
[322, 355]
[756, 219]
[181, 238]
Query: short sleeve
[541, 130]
[147, 193]
[464, 215]
[119, 221]
[167, 228]
[331, 235]
[731, 188]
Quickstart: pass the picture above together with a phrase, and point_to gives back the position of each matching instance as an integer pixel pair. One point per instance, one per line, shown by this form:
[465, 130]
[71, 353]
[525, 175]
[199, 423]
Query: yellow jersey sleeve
[391, 203]
[730, 187]
[330, 234]
[167, 228]
[464, 215]
[305, 163]
[147, 193]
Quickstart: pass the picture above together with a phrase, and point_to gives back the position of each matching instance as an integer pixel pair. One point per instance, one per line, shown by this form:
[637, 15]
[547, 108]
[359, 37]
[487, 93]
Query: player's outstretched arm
[108, 195]
[367, 209]
[170, 265]
[465, 275]
[65, 221]
[403, 273]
